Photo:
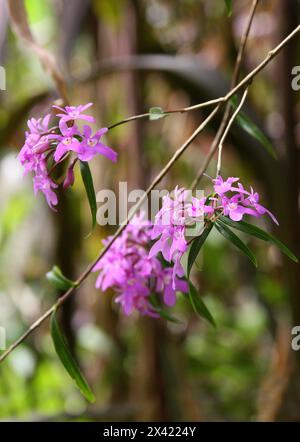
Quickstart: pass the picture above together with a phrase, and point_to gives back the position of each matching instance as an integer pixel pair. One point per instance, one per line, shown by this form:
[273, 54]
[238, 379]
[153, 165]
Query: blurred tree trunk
[67, 247]
[156, 385]
[288, 19]
[148, 389]
[112, 368]
[67, 219]
[121, 40]
[142, 389]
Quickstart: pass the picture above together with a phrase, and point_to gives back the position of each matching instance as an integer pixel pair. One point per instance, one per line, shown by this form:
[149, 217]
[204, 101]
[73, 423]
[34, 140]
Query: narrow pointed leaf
[89, 188]
[253, 130]
[68, 361]
[58, 280]
[156, 113]
[236, 241]
[259, 233]
[198, 305]
[196, 247]
[228, 4]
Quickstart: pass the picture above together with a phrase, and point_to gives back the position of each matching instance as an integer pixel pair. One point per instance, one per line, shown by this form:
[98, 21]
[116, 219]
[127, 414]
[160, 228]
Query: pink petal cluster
[170, 225]
[178, 212]
[235, 201]
[133, 274]
[33, 157]
[44, 147]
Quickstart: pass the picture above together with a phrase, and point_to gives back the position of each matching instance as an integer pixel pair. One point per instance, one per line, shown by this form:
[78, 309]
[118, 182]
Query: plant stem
[227, 130]
[234, 80]
[168, 112]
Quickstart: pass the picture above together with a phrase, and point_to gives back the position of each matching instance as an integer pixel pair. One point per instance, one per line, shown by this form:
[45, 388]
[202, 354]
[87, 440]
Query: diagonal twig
[230, 122]
[234, 80]
[20, 25]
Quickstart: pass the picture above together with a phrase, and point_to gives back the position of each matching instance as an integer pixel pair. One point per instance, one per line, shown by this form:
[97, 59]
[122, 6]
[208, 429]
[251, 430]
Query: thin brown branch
[168, 112]
[234, 80]
[228, 126]
[20, 25]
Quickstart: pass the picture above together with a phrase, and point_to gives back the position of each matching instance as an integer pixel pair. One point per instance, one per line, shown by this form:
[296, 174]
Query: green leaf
[196, 247]
[198, 305]
[89, 188]
[255, 132]
[58, 280]
[258, 233]
[235, 240]
[250, 127]
[68, 361]
[228, 4]
[156, 113]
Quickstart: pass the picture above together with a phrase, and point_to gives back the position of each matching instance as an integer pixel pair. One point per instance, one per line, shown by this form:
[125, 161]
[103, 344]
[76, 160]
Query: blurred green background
[126, 56]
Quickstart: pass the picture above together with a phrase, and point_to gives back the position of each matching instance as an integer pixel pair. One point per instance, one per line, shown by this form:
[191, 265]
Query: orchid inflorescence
[136, 273]
[46, 146]
[229, 198]
[143, 265]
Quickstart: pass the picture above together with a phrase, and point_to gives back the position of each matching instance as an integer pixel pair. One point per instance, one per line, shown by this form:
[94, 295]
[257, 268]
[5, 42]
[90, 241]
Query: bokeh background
[126, 56]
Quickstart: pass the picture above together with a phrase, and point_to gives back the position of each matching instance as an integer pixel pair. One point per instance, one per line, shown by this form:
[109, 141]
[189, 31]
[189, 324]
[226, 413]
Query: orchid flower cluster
[135, 273]
[229, 198]
[135, 276]
[235, 201]
[143, 265]
[47, 146]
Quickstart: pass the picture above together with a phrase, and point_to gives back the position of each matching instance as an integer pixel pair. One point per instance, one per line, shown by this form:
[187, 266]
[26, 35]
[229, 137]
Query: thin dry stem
[234, 80]
[219, 164]
[168, 112]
